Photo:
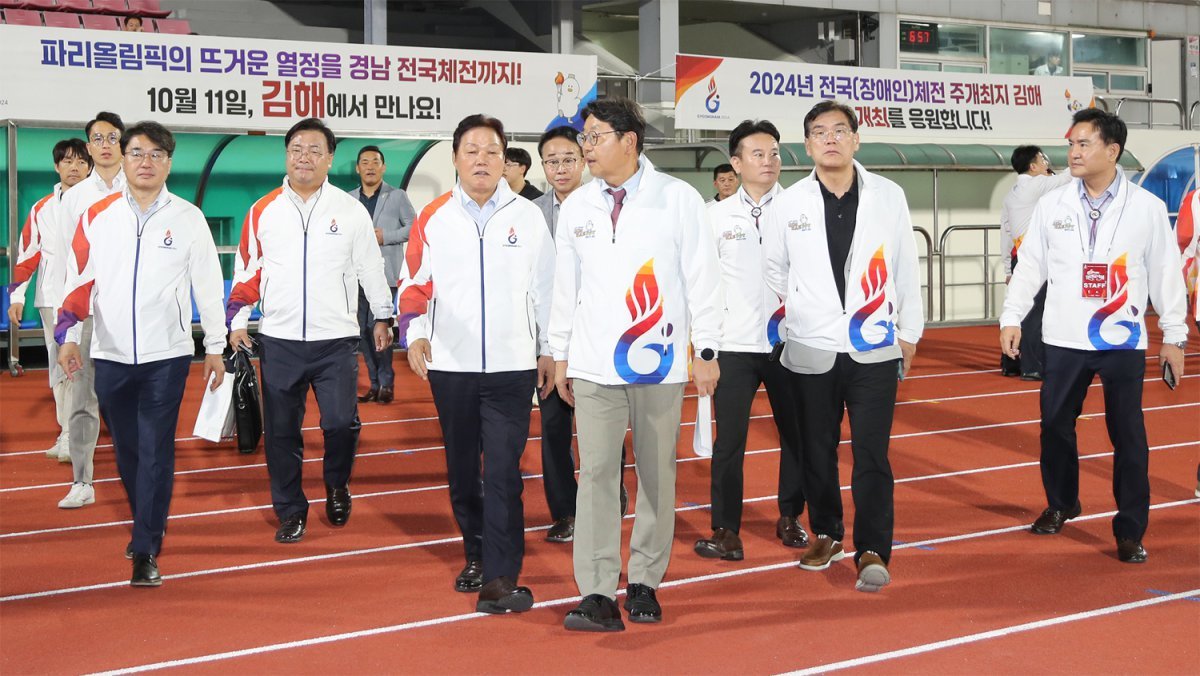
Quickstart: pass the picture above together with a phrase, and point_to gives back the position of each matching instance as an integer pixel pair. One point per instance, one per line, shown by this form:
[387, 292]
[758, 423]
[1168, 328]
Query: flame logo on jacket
[167, 239]
[1118, 292]
[773, 326]
[646, 310]
[874, 282]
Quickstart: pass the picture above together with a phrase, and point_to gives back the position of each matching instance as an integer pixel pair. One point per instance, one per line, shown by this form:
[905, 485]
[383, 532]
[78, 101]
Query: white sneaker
[64, 451]
[81, 494]
[60, 444]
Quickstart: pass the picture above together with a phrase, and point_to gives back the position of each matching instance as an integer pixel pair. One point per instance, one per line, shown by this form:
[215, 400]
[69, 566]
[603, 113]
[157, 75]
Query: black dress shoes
[145, 572]
[642, 604]
[470, 579]
[563, 530]
[291, 530]
[1051, 521]
[791, 533]
[371, 395]
[595, 612]
[624, 499]
[337, 505]
[386, 395]
[129, 551]
[502, 595]
[1032, 375]
[724, 544]
[1131, 551]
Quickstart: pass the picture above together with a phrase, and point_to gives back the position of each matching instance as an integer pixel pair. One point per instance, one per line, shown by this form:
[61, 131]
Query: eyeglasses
[822, 135]
[510, 165]
[112, 139]
[567, 163]
[593, 137]
[156, 156]
[296, 152]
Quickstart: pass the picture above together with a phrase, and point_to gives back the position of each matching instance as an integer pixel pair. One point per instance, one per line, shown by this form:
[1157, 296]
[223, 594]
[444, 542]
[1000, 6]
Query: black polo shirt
[369, 202]
[841, 215]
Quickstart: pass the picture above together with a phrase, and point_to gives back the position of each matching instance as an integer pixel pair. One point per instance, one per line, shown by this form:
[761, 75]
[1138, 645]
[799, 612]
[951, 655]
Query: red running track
[972, 591]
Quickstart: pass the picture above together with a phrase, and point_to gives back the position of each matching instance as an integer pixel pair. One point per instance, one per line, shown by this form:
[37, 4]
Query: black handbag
[247, 402]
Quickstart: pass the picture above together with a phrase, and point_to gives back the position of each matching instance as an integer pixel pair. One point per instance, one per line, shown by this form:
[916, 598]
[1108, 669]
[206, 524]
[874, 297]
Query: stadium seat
[102, 22]
[22, 17]
[61, 19]
[147, 8]
[176, 26]
[12, 4]
[46, 5]
[118, 7]
[82, 6]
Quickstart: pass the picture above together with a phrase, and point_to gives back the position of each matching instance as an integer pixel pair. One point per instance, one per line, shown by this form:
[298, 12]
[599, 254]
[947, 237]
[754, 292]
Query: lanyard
[756, 211]
[1093, 215]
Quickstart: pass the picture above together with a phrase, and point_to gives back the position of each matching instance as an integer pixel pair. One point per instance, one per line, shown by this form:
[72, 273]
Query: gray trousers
[83, 411]
[602, 413]
[58, 379]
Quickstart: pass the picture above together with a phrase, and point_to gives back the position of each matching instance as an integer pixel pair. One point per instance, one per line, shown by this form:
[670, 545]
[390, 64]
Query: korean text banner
[718, 93]
[66, 75]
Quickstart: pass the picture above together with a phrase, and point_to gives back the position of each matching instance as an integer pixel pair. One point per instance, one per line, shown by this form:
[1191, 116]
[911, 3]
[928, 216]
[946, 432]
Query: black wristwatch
[390, 321]
[708, 354]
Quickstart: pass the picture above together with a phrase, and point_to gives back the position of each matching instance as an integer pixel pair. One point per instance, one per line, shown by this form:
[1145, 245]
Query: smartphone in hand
[1168, 375]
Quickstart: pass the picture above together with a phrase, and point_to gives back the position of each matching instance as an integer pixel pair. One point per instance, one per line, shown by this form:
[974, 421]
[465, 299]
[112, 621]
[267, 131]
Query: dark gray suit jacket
[394, 214]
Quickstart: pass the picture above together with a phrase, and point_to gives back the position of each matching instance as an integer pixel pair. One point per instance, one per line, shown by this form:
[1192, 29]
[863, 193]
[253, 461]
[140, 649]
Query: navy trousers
[558, 464]
[379, 364]
[485, 422]
[140, 405]
[289, 368]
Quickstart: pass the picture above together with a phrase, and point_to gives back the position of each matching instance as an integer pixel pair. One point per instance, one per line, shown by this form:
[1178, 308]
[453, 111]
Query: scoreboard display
[918, 37]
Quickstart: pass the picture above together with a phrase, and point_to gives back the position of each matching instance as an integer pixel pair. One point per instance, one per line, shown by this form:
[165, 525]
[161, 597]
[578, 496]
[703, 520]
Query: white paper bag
[215, 420]
[702, 438]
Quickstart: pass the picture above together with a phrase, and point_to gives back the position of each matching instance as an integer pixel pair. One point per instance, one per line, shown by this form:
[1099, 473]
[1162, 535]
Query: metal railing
[1150, 101]
[987, 281]
[930, 253]
[1193, 123]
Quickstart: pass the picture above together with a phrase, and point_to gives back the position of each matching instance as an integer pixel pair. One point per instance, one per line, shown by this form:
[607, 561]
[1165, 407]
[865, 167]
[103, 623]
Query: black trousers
[868, 393]
[1033, 350]
[289, 368]
[379, 364]
[140, 405]
[485, 422]
[558, 465]
[741, 374]
[1067, 377]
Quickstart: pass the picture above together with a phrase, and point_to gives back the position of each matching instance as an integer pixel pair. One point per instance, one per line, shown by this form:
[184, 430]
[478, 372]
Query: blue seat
[254, 314]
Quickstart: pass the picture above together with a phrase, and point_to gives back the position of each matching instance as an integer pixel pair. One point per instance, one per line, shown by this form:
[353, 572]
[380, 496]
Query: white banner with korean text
[67, 75]
[717, 93]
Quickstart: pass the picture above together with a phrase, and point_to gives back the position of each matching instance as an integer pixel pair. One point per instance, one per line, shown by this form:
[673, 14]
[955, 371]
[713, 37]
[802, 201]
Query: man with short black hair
[1106, 246]
[393, 215]
[725, 181]
[83, 417]
[1035, 178]
[137, 260]
[840, 249]
[132, 24]
[41, 249]
[753, 324]
[306, 247]
[516, 165]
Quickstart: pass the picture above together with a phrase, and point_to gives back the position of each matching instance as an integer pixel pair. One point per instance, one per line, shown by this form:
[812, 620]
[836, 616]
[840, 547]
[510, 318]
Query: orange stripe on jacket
[414, 300]
[27, 267]
[79, 243]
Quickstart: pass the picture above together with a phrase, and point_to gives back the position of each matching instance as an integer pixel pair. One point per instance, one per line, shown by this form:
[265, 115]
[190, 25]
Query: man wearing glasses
[1034, 179]
[840, 251]
[636, 280]
[393, 216]
[83, 413]
[137, 259]
[306, 248]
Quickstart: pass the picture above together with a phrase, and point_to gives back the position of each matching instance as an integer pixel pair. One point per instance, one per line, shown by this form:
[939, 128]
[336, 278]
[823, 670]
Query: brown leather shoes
[791, 533]
[823, 552]
[872, 573]
[1051, 521]
[502, 595]
[385, 395]
[1131, 551]
[724, 544]
[371, 395]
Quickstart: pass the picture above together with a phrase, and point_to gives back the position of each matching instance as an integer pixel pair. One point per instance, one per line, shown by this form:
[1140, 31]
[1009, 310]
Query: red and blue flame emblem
[874, 283]
[1118, 293]
[773, 326]
[646, 309]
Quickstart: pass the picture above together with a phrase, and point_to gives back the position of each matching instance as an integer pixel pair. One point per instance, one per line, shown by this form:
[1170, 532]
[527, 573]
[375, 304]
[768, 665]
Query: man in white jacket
[136, 261]
[840, 250]
[306, 248]
[1102, 245]
[477, 333]
[42, 250]
[1034, 179]
[83, 415]
[753, 322]
[636, 277]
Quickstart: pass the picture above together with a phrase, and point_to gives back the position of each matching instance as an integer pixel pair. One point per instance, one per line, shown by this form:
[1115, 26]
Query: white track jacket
[753, 315]
[138, 285]
[40, 250]
[1133, 239]
[480, 295]
[883, 287]
[627, 297]
[303, 262]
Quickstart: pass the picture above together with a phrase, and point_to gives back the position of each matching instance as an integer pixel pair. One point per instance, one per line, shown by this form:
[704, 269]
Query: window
[1020, 52]
[1115, 50]
[953, 40]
